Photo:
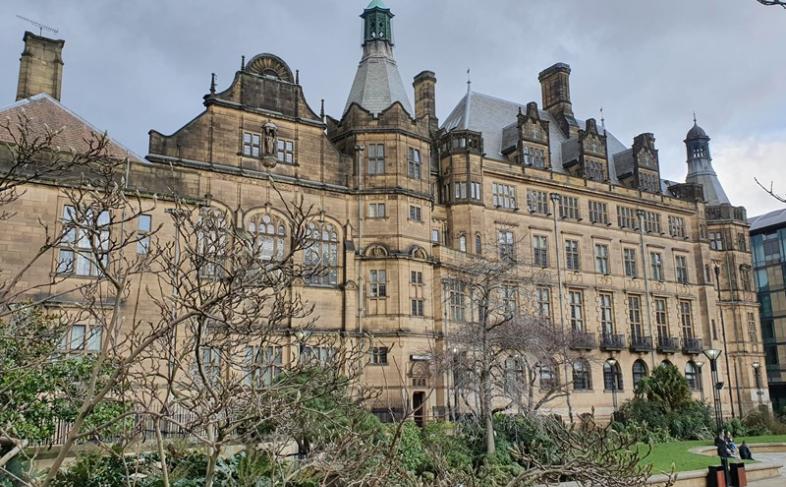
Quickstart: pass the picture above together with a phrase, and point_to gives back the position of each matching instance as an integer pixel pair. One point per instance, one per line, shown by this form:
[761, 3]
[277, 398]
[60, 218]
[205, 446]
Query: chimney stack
[425, 98]
[555, 86]
[40, 67]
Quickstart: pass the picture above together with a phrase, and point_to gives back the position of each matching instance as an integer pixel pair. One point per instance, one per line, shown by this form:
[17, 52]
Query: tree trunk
[161, 454]
[212, 458]
[485, 393]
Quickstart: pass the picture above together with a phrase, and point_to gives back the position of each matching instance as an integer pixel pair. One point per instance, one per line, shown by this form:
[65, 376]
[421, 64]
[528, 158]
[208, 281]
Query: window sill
[71, 275]
[322, 286]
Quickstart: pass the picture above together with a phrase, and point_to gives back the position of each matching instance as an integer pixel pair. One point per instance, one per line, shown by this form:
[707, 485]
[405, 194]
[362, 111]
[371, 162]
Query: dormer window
[251, 144]
[534, 157]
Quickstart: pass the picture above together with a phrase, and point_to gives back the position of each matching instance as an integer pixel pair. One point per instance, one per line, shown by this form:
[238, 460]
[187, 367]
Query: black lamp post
[613, 369]
[455, 386]
[713, 354]
[759, 392]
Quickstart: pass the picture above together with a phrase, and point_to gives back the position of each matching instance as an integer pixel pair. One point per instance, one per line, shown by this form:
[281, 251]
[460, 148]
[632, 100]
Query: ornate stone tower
[700, 170]
[377, 82]
[40, 67]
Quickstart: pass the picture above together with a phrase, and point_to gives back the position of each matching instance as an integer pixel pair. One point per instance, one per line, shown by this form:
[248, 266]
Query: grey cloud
[133, 66]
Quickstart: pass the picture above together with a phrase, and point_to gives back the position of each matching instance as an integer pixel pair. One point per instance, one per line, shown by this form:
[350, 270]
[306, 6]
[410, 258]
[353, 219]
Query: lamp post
[455, 386]
[759, 392]
[713, 354]
[613, 369]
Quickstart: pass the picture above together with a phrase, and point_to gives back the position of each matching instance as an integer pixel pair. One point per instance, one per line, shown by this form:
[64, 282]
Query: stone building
[768, 239]
[621, 257]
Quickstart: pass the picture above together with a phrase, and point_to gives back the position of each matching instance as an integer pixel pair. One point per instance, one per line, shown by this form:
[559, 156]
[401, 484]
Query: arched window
[692, 376]
[582, 380]
[612, 376]
[321, 254]
[639, 371]
[268, 235]
[478, 244]
[462, 243]
[548, 376]
[666, 363]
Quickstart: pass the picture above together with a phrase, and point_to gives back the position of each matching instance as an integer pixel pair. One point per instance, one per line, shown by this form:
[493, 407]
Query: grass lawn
[664, 454]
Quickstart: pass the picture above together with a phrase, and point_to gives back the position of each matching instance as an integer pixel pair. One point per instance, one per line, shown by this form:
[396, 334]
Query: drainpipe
[555, 198]
[741, 337]
[358, 248]
[725, 345]
[640, 214]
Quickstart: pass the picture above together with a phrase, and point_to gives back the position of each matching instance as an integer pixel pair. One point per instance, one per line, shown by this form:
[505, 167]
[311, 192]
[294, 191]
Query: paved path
[779, 458]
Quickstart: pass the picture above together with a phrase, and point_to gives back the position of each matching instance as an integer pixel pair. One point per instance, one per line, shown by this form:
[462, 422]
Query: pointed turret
[377, 82]
[700, 171]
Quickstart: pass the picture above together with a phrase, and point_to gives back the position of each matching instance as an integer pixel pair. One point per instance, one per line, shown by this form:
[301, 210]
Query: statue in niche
[269, 144]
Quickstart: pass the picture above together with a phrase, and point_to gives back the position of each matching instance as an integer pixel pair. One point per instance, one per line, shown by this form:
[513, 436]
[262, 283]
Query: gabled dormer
[585, 155]
[638, 167]
[527, 142]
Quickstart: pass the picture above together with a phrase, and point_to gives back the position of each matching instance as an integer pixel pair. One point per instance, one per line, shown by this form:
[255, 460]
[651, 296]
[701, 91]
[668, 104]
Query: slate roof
[696, 132]
[776, 218]
[44, 111]
[377, 82]
[495, 119]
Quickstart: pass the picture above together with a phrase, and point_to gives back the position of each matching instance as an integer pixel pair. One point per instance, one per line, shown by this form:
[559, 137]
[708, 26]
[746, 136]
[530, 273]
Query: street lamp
[613, 369]
[759, 392]
[713, 354]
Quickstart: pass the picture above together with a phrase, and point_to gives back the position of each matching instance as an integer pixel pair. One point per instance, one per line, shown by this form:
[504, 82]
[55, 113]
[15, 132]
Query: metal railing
[581, 340]
[667, 344]
[692, 346]
[612, 342]
[641, 343]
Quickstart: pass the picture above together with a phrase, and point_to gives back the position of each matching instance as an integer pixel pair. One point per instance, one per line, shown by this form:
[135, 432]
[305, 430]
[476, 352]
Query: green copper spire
[377, 22]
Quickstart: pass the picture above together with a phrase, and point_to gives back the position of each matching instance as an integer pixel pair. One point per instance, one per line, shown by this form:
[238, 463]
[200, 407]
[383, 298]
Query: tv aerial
[41, 27]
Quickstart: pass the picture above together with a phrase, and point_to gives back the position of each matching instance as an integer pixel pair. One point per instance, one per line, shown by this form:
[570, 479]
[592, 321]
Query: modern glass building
[768, 237]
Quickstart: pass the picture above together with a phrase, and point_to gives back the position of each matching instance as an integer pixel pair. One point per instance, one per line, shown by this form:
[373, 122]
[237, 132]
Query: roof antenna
[694, 118]
[41, 27]
[469, 80]
[602, 121]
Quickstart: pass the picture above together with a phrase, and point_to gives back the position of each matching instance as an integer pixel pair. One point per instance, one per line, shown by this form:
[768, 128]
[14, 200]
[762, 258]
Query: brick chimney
[425, 98]
[40, 67]
[555, 87]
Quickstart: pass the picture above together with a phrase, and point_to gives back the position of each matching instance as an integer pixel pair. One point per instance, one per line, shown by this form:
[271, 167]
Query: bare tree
[771, 3]
[771, 191]
[500, 343]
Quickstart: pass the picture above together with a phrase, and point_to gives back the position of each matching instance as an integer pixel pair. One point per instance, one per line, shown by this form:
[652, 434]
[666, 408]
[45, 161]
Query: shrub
[761, 422]
[410, 448]
[691, 421]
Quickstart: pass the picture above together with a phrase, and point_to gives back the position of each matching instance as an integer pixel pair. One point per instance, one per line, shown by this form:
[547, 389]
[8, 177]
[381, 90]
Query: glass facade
[769, 270]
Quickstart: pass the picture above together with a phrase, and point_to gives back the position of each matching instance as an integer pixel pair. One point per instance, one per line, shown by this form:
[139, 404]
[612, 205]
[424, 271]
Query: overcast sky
[132, 66]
